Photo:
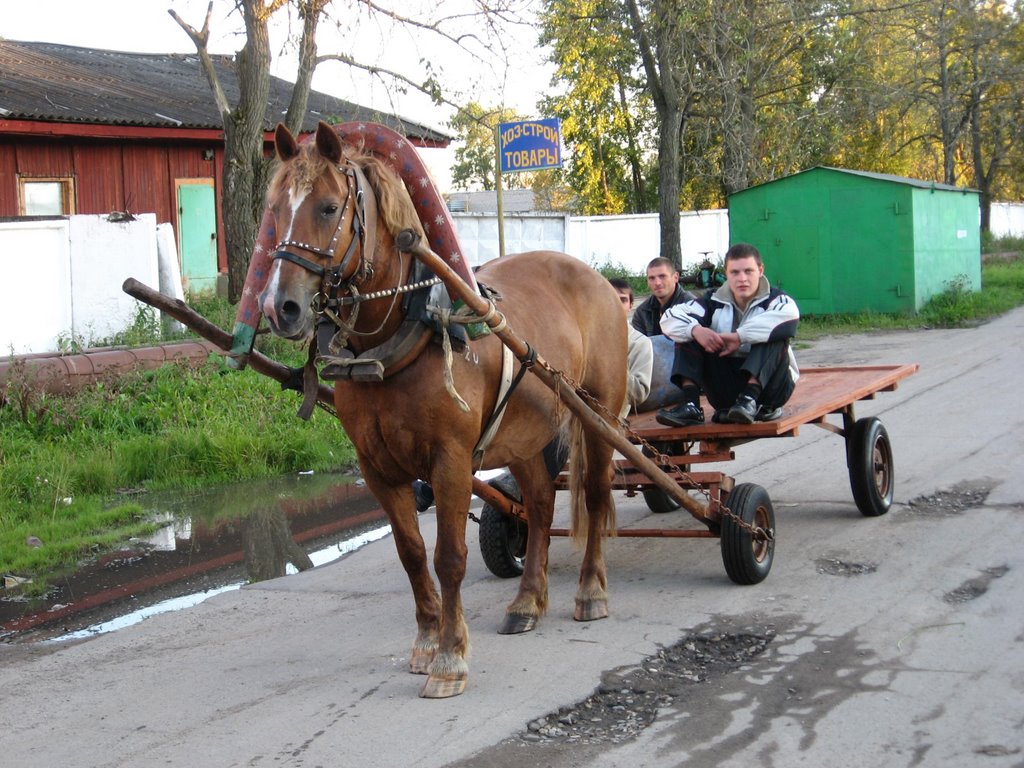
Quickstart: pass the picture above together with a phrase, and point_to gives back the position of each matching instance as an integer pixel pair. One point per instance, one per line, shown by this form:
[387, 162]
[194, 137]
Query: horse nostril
[290, 311]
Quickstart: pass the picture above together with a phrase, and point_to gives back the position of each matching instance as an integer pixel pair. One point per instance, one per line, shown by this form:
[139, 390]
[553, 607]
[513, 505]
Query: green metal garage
[841, 241]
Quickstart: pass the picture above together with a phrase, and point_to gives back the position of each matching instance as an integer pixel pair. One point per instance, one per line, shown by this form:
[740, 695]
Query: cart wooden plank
[819, 392]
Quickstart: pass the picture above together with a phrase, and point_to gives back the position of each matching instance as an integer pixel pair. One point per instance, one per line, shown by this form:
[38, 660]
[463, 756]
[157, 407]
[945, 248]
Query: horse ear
[285, 143]
[328, 144]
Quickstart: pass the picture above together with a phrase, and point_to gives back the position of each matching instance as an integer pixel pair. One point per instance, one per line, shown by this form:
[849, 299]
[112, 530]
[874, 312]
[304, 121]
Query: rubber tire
[502, 542]
[872, 473]
[746, 561]
[656, 499]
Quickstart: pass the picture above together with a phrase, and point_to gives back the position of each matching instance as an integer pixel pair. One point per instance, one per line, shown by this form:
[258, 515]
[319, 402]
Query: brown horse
[337, 211]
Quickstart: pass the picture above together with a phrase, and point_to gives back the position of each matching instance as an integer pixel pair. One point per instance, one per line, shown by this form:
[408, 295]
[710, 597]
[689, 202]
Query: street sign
[530, 145]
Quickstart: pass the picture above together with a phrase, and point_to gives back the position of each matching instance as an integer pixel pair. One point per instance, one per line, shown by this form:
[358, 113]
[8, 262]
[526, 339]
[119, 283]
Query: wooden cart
[659, 461]
[740, 515]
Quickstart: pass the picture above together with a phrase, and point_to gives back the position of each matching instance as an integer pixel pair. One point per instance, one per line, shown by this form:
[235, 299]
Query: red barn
[85, 131]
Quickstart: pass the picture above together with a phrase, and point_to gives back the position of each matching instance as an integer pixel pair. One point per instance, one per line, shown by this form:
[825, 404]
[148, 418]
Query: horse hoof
[516, 624]
[590, 610]
[420, 661]
[443, 687]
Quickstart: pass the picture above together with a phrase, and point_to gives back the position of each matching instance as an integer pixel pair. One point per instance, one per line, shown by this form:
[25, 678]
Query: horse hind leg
[531, 601]
[593, 515]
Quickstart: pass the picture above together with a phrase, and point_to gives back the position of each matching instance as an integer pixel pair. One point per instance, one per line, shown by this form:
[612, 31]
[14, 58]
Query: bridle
[347, 274]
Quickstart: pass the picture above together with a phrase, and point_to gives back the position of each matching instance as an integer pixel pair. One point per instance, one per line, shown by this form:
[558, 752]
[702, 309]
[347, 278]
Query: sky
[145, 26]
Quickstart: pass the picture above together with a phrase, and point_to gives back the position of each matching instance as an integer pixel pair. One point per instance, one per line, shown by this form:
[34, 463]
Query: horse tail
[579, 482]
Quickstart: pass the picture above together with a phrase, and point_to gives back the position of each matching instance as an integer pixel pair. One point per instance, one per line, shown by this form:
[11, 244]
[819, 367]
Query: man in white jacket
[734, 342]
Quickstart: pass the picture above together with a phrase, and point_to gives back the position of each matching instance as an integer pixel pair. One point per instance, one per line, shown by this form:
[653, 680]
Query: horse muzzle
[288, 316]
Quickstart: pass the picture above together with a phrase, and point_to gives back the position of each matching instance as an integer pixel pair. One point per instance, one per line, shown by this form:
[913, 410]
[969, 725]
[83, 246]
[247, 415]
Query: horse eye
[330, 209]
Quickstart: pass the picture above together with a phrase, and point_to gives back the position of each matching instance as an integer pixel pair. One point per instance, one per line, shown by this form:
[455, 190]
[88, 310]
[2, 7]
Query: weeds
[62, 467]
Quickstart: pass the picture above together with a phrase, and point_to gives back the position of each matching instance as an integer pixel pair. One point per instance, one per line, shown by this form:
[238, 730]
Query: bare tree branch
[201, 40]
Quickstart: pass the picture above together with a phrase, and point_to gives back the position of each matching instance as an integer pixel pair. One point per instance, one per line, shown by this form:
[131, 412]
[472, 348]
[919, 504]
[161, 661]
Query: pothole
[628, 699]
[834, 567]
[975, 587]
[953, 501]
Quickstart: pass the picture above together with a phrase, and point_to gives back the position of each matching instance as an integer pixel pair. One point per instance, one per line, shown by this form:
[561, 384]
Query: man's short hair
[621, 284]
[661, 261]
[743, 251]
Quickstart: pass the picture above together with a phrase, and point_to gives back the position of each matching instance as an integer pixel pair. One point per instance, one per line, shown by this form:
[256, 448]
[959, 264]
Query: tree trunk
[669, 136]
[245, 168]
[663, 84]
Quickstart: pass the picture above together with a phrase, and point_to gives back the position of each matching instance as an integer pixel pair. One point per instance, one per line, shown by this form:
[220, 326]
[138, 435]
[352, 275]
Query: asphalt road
[895, 641]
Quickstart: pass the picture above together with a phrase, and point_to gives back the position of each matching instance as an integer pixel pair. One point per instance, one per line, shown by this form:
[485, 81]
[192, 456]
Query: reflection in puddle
[212, 540]
[320, 557]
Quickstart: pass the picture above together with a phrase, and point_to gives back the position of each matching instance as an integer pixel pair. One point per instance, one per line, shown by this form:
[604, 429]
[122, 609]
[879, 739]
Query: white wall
[478, 234]
[632, 241]
[35, 287]
[62, 279]
[628, 241]
[1006, 219]
[104, 254]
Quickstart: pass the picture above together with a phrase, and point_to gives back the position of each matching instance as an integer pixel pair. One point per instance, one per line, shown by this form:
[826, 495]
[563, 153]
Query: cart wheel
[657, 500]
[869, 457]
[748, 561]
[502, 542]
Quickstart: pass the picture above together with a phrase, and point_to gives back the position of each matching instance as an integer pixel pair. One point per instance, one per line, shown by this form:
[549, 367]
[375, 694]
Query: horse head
[336, 210]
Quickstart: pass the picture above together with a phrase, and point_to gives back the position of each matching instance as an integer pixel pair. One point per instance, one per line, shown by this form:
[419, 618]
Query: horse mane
[394, 205]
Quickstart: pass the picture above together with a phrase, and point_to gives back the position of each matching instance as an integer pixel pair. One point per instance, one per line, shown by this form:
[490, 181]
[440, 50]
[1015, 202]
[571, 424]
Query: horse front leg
[400, 506]
[449, 669]
[531, 600]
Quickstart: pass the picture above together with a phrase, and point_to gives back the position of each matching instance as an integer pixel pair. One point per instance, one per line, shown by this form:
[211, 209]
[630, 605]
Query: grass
[1002, 289]
[66, 462]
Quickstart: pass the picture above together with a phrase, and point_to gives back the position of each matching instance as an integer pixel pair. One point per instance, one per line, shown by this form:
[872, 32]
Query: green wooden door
[197, 223]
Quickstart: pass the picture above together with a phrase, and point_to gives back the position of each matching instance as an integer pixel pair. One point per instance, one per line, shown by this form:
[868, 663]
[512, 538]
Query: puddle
[213, 540]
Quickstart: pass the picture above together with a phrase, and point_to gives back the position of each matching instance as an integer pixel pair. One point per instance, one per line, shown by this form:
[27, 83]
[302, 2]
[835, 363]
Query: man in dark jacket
[663, 280]
[734, 342]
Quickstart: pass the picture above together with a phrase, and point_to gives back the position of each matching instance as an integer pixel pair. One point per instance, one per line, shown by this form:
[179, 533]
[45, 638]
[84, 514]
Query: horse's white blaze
[296, 198]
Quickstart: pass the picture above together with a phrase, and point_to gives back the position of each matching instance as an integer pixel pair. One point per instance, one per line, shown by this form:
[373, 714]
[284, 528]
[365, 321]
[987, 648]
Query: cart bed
[819, 392]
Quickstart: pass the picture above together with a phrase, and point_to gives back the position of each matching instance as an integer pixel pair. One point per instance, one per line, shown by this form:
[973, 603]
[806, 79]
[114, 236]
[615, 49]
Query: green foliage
[64, 460]
[1002, 245]
[929, 90]
[607, 118]
[638, 282]
[475, 160]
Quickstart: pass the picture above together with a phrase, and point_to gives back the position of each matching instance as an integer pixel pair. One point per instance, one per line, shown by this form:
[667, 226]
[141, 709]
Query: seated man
[734, 341]
[663, 280]
[639, 356]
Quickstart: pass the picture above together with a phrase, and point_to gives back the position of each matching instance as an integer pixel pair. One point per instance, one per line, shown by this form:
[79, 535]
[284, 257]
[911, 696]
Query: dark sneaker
[743, 412]
[764, 413]
[424, 495]
[683, 415]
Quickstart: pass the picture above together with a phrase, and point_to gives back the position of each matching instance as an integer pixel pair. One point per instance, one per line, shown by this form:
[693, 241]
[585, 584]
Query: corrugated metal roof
[62, 83]
[920, 183]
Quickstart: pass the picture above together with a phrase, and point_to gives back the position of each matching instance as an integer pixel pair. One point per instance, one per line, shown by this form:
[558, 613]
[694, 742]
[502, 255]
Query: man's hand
[709, 340]
[730, 342]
